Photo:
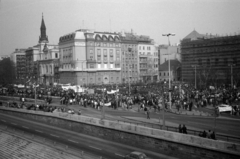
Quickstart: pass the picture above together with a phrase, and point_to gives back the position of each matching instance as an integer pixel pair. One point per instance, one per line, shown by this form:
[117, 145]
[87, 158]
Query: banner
[211, 87]
[107, 104]
[112, 91]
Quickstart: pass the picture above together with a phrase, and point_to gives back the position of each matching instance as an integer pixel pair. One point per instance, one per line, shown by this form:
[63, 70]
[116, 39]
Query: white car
[224, 108]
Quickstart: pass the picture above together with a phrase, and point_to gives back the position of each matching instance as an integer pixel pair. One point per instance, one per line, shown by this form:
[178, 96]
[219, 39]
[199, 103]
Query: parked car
[225, 108]
[136, 155]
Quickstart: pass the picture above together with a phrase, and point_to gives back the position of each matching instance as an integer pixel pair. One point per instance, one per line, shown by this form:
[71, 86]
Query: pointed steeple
[43, 37]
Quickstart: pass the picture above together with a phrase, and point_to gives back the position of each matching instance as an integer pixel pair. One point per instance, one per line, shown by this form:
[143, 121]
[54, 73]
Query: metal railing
[219, 136]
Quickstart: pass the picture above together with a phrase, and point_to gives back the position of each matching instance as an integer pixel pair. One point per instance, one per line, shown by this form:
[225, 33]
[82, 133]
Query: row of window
[143, 47]
[164, 74]
[106, 44]
[216, 61]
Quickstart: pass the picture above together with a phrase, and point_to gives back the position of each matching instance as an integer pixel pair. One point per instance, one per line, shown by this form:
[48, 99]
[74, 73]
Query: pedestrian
[180, 128]
[184, 129]
[209, 134]
[79, 112]
[148, 114]
[213, 136]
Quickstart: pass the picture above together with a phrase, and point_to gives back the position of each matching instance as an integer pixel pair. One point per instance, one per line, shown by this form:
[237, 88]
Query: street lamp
[195, 66]
[170, 99]
[129, 51]
[231, 65]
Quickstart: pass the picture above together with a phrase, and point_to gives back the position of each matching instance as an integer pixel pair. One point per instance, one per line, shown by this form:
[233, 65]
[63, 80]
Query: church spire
[43, 37]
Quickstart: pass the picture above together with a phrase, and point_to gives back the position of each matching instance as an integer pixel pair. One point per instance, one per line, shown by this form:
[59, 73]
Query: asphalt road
[224, 125]
[77, 141]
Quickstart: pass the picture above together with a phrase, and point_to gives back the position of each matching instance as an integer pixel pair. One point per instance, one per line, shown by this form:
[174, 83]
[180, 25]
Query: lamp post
[170, 98]
[195, 68]
[231, 65]
[129, 51]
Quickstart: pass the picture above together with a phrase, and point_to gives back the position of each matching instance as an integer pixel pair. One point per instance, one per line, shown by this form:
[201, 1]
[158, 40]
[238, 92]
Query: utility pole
[170, 98]
[195, 68]
[231, 65]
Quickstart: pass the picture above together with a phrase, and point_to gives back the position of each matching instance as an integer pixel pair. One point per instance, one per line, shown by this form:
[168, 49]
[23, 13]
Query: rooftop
[173, 65]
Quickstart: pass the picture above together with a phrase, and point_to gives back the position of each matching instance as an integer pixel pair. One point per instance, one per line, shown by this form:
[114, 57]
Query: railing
[189, 131]
[51, 143]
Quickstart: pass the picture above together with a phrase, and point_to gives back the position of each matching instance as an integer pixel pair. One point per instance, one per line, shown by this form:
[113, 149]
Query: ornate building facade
[88, 57]
[42, 59]
[214, 59]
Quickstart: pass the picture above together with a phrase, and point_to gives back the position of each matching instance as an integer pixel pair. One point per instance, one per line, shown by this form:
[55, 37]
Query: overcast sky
[20, 20]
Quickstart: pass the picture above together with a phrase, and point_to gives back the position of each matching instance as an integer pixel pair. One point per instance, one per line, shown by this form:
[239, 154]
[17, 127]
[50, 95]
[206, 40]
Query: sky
[20, 20]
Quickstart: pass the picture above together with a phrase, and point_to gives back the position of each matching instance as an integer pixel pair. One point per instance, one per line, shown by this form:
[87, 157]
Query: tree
[7, 72]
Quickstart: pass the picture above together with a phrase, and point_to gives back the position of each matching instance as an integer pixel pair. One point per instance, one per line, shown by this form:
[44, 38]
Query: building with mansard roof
[214, 59]
[89, 57]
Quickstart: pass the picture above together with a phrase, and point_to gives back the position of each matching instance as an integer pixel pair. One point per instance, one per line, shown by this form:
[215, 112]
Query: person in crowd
[213, 136]
[79, 112]
[184, 129]
[180, 128]
[209, 134]
[148, 114]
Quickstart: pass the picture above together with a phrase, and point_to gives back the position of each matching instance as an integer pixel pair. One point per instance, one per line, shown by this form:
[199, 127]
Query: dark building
[212, 58]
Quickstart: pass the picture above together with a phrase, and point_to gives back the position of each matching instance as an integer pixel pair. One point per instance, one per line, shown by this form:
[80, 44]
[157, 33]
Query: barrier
[128, 130]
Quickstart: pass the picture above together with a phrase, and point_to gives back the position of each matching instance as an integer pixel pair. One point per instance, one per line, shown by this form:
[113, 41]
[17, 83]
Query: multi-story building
[148, 65]
[18, 57]
[166, 52]
[174, 73]
[172, 53]
[89, 57]
[129, 62]
[41, 59]
[214, 59]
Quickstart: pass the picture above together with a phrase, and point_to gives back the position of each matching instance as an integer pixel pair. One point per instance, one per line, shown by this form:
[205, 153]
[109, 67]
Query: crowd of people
[208, 134]
[154, 97]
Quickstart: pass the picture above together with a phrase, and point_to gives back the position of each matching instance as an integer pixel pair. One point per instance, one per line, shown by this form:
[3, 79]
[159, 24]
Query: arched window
[116, 38]
[104, 37]
[97, 37]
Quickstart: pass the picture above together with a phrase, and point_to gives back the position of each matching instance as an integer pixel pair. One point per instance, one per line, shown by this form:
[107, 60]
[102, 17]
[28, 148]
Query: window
[105, 55]
[111, 54]
[56, 55]
[139, 47]
[91, 54]
[160, 74]
[98, 54]
[118, 55]
[164, 74]
[199, 61]
[91, 65]
[143, 48]
[216, 61]
[226, 61]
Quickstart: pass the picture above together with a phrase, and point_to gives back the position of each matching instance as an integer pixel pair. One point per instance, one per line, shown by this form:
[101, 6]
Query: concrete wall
[170, 143]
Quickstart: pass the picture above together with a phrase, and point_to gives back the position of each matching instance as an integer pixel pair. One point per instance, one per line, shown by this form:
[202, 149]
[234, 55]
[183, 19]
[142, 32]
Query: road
[80, 142]
[224, 125]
